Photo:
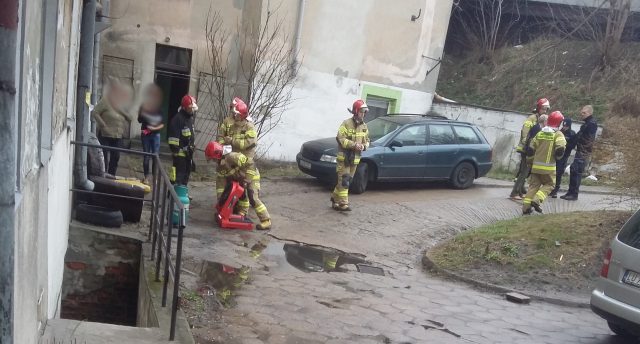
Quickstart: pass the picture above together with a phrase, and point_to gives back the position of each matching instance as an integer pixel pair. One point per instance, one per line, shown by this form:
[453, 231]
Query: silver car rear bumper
[615, 311]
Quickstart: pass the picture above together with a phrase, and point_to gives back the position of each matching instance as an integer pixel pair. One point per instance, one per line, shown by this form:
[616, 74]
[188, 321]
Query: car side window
[441, 134]
[415, 135]
[466, 135]
[630, 233]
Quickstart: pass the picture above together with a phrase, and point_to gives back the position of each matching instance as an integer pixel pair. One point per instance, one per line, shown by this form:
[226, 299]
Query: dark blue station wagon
[407, 148]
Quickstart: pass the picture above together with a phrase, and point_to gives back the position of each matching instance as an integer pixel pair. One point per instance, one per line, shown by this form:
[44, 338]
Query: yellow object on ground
[137, 183]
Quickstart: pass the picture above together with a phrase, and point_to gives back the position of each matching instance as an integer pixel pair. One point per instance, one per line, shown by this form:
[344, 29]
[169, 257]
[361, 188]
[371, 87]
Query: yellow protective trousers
[340, 193]
[252, 198]
[540, 185]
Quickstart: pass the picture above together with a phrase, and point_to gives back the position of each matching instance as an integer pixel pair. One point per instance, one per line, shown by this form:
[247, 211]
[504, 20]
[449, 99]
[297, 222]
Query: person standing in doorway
[519, 190]
[585, 140]
[150, 118]
[112, 120]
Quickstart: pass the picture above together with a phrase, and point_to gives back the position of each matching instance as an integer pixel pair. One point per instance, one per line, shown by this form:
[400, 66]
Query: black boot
[568, 197]
[554, 193]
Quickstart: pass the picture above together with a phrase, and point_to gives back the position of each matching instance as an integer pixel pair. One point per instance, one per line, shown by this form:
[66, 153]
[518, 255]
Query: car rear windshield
[630, 233]
[380, 127]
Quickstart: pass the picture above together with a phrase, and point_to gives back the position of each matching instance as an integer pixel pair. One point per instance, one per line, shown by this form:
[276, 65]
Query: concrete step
[73, 331]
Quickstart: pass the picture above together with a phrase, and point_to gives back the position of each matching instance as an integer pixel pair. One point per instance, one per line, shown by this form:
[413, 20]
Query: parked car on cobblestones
[617, 295]
[407, 148]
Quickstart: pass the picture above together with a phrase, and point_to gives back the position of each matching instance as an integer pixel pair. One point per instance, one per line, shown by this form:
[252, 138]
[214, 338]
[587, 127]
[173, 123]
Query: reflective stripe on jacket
[529, 123]
[180, 134]
[545, 145]
[349, 134]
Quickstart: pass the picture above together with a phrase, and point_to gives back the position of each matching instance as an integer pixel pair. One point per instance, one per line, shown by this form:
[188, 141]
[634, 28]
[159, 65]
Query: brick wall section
[101, 277]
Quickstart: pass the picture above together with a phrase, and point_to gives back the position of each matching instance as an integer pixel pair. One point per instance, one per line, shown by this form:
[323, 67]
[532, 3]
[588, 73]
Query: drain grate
[368, 269]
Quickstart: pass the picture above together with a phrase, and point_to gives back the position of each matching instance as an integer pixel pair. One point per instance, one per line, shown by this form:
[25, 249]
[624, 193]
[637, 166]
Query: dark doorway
[172, 74]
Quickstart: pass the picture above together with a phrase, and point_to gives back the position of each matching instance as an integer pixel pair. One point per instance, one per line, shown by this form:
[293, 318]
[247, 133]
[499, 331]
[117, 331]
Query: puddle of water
[223, 278]
[309, 258]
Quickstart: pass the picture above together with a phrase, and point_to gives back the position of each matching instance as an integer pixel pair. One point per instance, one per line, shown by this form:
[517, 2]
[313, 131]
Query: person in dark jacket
[182, 141]
[150, 118]
[561, 164]
[585, 140]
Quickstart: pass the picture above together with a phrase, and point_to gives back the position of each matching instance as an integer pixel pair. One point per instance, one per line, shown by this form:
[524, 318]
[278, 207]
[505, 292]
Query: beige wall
[345, 46]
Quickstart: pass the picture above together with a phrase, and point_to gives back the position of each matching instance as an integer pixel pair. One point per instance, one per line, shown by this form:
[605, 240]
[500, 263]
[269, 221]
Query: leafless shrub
[266, 72]
[483, 25]
[623, 135]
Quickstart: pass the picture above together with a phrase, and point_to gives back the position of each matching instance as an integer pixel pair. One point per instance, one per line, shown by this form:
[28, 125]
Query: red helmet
[543, 102]
[240, 108]
[189, 102]
[555, 119]
[214, 150]
[358, 105]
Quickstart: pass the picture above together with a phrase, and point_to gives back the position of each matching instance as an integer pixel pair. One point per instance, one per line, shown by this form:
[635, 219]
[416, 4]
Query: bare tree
[483, 23]
[603, 26]
[265, 74]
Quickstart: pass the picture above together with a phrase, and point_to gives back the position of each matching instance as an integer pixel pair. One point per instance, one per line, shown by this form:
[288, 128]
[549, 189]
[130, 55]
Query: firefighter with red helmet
[181, 141]
[547, 147]
[241, 168]
[353, 139]
[238, 131]
[542, 107]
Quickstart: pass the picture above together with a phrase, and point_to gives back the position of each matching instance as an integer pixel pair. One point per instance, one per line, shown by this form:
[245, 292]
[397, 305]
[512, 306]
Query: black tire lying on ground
[99, 216]
[131, 209]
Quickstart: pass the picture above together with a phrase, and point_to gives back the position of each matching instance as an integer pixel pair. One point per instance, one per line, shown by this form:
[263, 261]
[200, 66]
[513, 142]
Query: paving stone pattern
[282, 305]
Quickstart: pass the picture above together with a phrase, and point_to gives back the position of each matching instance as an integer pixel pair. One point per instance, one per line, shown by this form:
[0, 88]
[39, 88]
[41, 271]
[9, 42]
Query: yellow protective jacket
[548, 146]
[349, 134]
[524, 132]
[238, 167]
[241, 135]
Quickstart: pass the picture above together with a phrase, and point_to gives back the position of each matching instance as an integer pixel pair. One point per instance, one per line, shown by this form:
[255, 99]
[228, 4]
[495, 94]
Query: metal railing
[164, 202]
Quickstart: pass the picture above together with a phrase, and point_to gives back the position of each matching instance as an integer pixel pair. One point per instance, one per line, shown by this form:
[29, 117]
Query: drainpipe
[8, 43]
[298, 36]
[85, 60]
[103, 14]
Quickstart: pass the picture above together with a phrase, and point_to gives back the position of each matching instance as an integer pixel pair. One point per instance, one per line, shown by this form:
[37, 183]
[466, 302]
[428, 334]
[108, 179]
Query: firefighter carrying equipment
[181, 142]
[225, 217]
[237, 167]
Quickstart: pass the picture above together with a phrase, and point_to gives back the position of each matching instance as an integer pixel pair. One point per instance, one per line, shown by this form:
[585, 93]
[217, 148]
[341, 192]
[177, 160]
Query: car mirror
[395, 143]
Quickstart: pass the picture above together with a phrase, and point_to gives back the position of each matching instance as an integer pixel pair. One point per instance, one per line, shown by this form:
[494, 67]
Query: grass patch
[564, 250]
[501, 173]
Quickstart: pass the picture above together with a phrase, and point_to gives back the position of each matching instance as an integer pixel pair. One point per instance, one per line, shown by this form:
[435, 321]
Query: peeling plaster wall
[43, 209]
[344, 46]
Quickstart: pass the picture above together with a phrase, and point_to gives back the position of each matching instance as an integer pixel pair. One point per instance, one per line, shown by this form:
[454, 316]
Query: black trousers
[182, 168]
[111, 158]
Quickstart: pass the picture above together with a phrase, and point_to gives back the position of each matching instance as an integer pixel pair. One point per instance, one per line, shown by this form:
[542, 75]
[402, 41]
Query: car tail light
[491, 155]
[605, 266]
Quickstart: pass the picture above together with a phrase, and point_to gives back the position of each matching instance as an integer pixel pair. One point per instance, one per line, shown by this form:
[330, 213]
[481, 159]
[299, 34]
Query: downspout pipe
[298, 37]
[103, 14]
[8, 140]
[85, 65]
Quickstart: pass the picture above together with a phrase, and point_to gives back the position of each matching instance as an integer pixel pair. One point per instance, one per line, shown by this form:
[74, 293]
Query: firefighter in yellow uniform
[237, 166]
[542, 106]
[353, 139]
[237, 131]
[547, 147]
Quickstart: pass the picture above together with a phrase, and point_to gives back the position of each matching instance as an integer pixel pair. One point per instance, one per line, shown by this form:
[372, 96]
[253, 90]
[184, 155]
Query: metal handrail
[163, 202]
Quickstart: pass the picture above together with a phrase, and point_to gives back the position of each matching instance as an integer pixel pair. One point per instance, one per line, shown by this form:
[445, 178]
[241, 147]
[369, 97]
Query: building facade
[38, 66]
[385, 52]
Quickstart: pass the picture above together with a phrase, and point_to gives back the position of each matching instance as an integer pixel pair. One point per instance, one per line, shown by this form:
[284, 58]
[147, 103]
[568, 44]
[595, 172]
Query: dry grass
[551, 249]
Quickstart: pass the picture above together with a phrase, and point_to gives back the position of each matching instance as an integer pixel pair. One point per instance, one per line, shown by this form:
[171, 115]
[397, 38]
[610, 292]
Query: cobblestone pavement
[392, 226]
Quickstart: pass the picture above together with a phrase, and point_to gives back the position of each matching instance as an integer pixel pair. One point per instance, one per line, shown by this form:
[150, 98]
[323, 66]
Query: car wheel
[99, 216]
[360, 179]
[463, 176]
[619, 330]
